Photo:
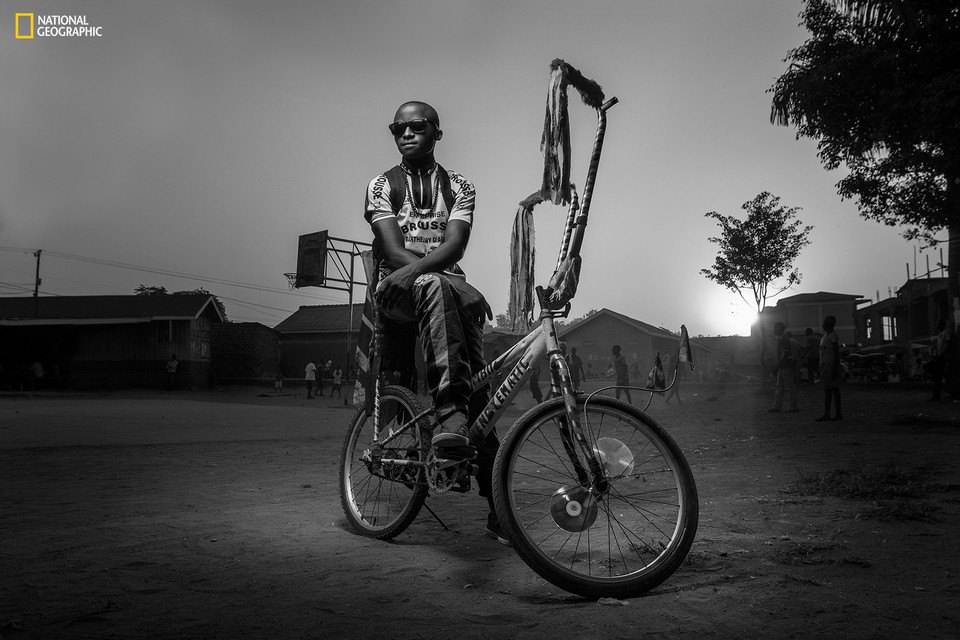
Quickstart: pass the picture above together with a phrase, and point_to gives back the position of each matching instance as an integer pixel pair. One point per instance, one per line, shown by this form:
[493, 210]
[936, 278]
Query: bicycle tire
[619, 543]
[382, 504]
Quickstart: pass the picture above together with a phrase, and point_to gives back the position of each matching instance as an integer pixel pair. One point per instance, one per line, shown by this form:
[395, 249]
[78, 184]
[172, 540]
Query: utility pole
[36, 284]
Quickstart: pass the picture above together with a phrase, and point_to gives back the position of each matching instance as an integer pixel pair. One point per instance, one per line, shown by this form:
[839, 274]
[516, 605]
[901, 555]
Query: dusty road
[216, 515]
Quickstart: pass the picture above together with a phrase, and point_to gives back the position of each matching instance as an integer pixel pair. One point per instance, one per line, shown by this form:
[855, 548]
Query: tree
[144, 290]
[878, 85]
[758, 253]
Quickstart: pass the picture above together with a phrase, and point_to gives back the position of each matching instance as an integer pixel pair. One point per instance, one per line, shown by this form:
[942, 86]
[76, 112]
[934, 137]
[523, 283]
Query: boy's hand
[395, 288]
[471, 300]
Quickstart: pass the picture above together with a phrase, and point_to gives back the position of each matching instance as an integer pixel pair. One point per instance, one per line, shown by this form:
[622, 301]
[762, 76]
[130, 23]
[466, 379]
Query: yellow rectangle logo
[21, 35]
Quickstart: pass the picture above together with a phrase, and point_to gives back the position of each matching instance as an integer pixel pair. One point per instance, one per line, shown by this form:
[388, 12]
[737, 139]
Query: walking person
[309, 377]
[577, 374]
[940, 358]
[621, 373]
[784, 370]
[535, 384]
[830, 370]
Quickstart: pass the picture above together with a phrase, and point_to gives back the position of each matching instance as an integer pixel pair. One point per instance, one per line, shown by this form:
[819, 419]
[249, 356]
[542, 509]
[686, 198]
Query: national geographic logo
[31, 25]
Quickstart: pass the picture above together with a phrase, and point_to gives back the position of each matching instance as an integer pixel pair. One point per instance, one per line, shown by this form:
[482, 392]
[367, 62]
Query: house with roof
[807, 310]
[318, 333]
[106, 342]
[594, 336]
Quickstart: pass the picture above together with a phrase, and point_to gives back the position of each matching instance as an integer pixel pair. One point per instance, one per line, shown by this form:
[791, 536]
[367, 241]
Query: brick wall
[245, 350]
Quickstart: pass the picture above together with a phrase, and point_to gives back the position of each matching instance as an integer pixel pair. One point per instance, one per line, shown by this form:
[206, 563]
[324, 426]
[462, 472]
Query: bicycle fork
[571, 431]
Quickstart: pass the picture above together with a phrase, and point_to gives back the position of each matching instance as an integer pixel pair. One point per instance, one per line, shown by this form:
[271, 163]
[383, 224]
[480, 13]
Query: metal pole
[36, 285]
[346, 363]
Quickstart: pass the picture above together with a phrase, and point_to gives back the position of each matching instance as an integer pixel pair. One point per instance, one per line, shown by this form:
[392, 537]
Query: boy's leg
[445, 343]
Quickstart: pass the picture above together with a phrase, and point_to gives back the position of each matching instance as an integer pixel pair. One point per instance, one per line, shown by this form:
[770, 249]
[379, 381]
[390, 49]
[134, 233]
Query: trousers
[452, 347]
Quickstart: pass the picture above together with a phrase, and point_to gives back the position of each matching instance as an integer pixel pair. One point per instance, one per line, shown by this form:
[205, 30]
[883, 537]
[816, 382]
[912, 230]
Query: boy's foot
[837, 418]
[823, 419]
[495, 531]
[774, 410]
[456, 435]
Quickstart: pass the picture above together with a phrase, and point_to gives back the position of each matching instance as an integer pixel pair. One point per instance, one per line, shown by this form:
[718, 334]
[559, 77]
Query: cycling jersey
[422, 203]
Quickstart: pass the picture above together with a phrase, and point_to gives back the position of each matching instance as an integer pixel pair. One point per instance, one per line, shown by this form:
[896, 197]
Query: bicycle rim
[380, 501]
[617, 543]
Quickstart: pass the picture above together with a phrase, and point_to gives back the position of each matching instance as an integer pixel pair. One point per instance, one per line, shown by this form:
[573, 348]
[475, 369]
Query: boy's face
[411, 145]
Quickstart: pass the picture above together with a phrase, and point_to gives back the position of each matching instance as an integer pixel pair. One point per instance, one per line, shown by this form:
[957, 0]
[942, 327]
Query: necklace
[436, 187]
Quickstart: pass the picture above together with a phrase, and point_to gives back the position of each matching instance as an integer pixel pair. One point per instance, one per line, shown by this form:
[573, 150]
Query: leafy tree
[758, 253]
[144, 290]
[878, 86]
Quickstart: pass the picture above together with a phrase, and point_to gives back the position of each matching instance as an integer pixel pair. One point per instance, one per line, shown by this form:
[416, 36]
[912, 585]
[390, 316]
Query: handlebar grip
[609, 103]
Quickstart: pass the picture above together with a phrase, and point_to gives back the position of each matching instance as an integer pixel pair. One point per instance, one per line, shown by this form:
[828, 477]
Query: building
[245, 352]
[909, 316]
[107, 342]
[319, 333]
[807, 310]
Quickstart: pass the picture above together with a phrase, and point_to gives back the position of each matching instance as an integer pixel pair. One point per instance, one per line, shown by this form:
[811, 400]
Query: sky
[192, 143]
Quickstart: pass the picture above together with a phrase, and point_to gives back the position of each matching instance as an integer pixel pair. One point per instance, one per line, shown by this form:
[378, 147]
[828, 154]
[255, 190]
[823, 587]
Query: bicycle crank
[575, 509]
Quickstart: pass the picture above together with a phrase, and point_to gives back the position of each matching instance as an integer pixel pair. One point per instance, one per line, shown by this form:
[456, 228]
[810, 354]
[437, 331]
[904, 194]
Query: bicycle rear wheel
[381, 497]
[618, 542]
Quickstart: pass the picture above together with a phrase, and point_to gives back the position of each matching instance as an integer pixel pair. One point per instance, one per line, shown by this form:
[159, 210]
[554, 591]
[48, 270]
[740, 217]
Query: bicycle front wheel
[618, 541]
[383, 488]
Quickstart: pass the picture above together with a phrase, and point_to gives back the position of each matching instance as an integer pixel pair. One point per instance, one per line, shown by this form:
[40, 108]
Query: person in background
[621, 373]
[337, 382]
[784, 370]
[309, 377]
[830, 369]
[940, 358]
[172, 365]
[577, 374]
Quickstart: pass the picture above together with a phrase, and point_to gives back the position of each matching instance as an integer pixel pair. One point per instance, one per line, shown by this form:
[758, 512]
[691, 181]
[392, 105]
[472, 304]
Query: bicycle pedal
[462, 485]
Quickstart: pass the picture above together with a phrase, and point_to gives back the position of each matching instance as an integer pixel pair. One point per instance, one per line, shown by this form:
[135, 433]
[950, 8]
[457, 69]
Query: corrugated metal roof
[328, 318]
[50, 309]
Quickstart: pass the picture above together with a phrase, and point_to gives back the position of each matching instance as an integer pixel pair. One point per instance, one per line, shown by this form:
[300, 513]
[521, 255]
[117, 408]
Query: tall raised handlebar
[580, 222]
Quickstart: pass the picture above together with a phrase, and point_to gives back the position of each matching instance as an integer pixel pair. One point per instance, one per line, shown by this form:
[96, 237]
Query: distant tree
[144, 290]
[878, 86]
[756, 255]
[503, 321]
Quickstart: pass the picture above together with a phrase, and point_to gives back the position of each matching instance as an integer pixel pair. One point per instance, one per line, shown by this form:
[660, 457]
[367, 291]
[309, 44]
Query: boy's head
[829, 323]
[615, 350]
[778, 328]
[416, 129]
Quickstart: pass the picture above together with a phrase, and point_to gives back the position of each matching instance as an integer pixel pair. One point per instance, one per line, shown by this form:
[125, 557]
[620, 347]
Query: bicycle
[593, 493]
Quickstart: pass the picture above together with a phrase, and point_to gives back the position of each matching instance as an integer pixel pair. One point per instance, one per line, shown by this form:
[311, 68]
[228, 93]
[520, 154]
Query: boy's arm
[408, 266]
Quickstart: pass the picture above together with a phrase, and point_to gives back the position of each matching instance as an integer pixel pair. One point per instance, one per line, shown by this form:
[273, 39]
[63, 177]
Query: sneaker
[456, 436]
[495, 531]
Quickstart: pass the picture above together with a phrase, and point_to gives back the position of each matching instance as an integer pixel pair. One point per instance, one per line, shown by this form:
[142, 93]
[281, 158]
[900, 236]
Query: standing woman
[830, 369]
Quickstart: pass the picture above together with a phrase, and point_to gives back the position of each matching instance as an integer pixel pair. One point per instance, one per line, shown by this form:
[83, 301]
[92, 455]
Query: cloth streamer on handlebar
[556, 188]
[555, 142]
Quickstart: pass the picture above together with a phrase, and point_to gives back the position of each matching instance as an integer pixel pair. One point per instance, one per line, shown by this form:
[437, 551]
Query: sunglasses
[417, 126]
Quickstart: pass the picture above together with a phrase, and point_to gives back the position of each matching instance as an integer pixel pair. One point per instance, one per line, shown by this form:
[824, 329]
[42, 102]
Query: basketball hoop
[291, 280]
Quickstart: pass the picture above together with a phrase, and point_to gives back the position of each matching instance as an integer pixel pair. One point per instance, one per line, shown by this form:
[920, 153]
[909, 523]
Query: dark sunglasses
[417, 126]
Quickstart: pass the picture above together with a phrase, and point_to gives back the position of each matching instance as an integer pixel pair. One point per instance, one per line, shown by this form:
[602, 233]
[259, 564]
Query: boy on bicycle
[421, 215]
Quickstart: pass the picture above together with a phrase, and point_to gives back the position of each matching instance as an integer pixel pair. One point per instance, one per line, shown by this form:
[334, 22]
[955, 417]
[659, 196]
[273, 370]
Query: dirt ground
[216, 515]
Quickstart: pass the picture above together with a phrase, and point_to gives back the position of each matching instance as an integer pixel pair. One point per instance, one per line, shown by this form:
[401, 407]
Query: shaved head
[416, 109]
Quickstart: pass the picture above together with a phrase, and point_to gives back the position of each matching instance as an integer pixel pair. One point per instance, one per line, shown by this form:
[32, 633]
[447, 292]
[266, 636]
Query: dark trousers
[452, 345]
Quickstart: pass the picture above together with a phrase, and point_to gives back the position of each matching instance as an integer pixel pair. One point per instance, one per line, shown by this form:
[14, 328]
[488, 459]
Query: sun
[726, 314]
